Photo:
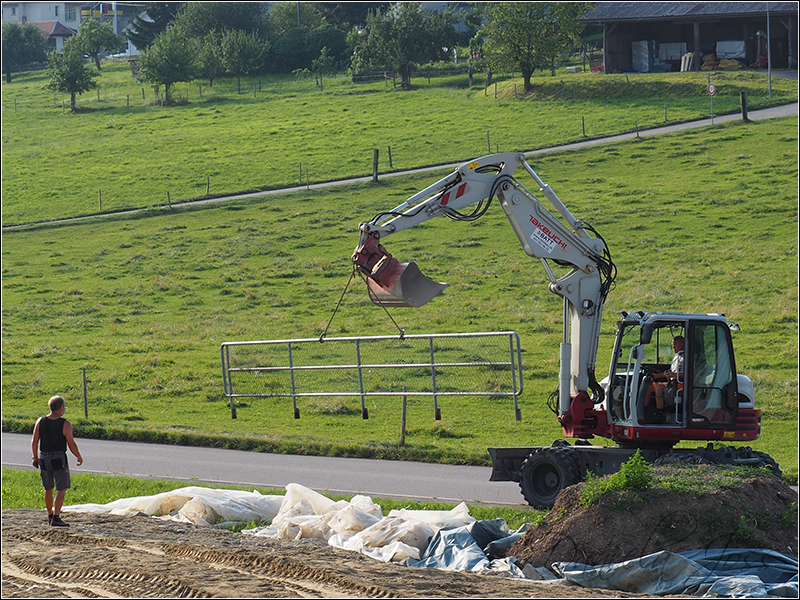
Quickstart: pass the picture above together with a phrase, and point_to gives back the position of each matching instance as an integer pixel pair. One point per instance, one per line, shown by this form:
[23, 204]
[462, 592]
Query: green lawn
[699, 221]
[120, 151]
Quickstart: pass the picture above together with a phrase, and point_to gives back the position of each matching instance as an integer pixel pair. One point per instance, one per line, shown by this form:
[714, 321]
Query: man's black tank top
[51, 435]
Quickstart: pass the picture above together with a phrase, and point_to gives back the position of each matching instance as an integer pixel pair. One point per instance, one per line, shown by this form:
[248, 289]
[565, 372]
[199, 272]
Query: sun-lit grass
[700, 221]
[122, 151]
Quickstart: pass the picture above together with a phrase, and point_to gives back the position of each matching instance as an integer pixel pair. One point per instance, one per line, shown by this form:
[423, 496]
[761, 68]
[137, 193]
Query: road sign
[712, 89]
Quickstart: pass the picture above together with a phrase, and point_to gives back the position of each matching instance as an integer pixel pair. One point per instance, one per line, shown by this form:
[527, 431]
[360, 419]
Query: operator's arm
[71, 442]
[35, 444]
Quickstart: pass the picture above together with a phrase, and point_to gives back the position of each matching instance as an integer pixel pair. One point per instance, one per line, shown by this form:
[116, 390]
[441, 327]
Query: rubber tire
[546, 472]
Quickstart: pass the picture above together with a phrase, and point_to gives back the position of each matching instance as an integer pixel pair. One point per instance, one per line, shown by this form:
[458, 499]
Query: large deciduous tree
[172, 57]
[156, 18]
[69, 73]
[96, 37]
[402, 36]
[530, 35]
[197, 19]
[22, 44]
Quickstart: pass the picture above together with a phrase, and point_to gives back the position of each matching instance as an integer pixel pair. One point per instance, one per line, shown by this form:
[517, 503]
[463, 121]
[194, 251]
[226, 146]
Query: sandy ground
[137, 557]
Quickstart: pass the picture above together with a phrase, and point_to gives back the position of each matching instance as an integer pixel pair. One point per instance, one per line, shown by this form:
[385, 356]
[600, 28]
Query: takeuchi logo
[545, 231]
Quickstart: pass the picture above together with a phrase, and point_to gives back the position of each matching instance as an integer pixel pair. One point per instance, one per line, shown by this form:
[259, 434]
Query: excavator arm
[559, 238]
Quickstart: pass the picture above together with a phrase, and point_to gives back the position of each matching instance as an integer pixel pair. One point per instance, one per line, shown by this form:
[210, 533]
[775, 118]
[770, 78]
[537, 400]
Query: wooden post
[85, 396]
[98, 94]
[583, 125]
[100, 198]
[488, 142]
[169, 202]
[403, 418]
[208, 185]
[143, 94]
[637, 128]
[390, 157]
[375, 166]
[128, 101]
[301, 173]
[744, 106]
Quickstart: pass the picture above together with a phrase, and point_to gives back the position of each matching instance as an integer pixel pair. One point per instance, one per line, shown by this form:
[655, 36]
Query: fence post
[100, 198]
[583, 125]
[208, 184]
[390, 157]
[375, 165]
[488, 142]
[744, 106]
[85, 397]
[403, 418]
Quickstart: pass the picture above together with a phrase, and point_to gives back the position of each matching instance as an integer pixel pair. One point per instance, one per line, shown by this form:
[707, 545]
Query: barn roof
[650, 11]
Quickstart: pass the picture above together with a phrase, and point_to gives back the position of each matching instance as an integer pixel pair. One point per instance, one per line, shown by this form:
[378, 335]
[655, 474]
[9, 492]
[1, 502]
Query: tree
[160, 15]
[291, 51]
[199, 18]
[95, 37]
[346, 15]
[530, 35]
[323, 65]
[69, 73]
[335, 40]
[404, 35]
[172, 57]
[284, 16]
[209, 58]
[242, 53]
[22, 45]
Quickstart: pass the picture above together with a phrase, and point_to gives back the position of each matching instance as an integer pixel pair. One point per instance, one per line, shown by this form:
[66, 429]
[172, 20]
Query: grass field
[700, 221]
[121, 151]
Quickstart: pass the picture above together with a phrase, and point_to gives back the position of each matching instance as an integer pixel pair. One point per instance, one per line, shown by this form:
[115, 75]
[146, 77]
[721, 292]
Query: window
[69, 14]
[55, 10]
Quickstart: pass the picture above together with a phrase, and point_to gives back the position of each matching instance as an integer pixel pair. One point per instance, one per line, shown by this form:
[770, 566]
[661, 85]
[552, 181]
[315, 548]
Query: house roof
[54, 29]
[650, 11]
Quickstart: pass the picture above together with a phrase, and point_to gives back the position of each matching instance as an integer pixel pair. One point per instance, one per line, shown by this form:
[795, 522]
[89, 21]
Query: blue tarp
[728, 573]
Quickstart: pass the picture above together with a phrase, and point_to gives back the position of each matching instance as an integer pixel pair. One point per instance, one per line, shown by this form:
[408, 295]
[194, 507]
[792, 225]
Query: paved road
[346, 476]
[786, 110]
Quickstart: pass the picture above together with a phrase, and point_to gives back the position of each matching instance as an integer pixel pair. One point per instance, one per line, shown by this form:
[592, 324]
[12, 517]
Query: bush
[635, 474]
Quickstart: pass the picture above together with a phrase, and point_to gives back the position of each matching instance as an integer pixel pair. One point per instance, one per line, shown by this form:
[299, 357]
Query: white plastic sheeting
[198, 505]
[454, 540]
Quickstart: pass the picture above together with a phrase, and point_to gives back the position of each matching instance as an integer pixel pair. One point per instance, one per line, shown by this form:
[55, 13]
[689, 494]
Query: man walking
[52, 434]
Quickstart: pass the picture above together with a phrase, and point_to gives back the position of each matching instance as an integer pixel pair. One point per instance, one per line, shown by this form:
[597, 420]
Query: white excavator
[649, 401]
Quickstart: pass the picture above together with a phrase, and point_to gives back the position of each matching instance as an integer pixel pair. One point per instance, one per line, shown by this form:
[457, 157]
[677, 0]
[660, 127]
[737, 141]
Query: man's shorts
[54, 469]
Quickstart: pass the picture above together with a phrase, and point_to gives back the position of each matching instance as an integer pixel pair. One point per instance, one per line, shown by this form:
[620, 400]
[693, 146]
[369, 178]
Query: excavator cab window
[712, 374]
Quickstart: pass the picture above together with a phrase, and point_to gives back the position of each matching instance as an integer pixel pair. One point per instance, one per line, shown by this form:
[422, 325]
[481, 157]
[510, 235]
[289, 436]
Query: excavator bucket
[403, 284]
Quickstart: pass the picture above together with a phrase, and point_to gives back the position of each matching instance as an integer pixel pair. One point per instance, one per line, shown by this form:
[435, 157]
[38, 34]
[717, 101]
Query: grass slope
[698, 221]
[121, 151]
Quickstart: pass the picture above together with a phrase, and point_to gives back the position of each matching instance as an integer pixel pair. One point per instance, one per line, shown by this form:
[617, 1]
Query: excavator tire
[546, 472]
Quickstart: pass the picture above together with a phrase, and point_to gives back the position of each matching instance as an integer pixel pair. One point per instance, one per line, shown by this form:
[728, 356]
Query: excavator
[649, 401]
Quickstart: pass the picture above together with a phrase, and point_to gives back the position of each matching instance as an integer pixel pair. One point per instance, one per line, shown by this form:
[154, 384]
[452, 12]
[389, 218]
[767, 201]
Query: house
[59, 20]
[643, 36]
[55, 33]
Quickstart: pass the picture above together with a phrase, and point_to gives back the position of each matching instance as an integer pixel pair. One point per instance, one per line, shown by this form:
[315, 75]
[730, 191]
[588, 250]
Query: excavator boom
[557, 238]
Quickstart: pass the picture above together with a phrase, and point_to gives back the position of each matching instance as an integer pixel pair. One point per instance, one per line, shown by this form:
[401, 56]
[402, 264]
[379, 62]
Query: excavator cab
[674, 371]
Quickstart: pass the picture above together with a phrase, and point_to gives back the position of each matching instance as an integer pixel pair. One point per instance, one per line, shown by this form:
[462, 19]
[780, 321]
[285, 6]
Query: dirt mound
[759, 512]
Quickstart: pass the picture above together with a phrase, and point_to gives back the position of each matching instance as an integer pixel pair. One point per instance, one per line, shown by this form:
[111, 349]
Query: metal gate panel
[454, 364]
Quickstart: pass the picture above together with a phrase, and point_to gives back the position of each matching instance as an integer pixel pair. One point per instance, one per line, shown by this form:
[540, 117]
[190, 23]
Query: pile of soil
[759, 512]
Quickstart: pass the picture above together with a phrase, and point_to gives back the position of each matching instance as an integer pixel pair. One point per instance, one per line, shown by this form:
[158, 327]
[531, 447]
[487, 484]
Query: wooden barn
[660, 36]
